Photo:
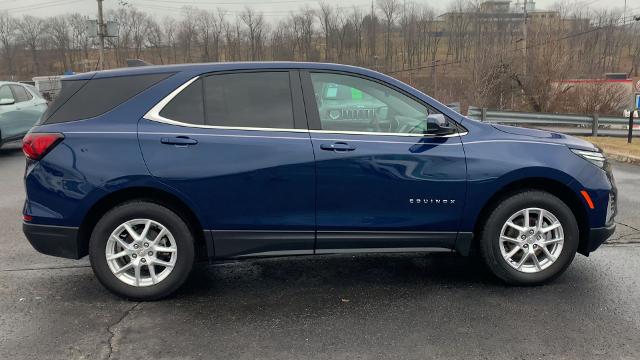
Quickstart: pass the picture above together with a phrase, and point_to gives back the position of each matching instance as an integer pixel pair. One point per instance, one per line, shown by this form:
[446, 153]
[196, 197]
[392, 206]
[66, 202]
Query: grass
[617, 146]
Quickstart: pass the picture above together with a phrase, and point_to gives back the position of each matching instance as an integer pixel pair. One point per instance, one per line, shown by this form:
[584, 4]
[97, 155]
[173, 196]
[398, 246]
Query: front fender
[493, 166]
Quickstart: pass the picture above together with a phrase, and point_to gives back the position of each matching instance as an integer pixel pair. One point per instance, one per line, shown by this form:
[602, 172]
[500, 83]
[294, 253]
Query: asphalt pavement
[326, 307]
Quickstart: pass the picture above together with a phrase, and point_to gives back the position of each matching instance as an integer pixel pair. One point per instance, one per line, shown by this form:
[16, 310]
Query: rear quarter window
[83, 99]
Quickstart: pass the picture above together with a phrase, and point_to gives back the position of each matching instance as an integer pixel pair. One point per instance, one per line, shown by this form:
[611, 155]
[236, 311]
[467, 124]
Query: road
[325, 307]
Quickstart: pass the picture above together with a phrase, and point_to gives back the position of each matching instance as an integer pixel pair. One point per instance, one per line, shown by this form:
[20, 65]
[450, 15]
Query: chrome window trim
[385, 133]
[154, 115]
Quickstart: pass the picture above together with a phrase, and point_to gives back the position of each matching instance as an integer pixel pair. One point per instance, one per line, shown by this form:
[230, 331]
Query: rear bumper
[597, 236]
[51, 240]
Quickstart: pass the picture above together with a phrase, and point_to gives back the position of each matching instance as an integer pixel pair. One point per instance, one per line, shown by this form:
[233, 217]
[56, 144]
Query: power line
[43, 5]
[276, 13]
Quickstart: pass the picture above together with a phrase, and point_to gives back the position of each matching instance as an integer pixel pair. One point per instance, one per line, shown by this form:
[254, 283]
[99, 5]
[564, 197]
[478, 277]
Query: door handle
[179, 141]
[337, 146]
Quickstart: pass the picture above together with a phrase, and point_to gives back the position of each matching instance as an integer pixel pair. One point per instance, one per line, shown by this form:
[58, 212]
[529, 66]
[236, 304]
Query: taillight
[37, 145]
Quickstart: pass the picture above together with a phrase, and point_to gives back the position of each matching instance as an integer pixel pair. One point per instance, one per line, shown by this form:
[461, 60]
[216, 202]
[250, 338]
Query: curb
[629, 159]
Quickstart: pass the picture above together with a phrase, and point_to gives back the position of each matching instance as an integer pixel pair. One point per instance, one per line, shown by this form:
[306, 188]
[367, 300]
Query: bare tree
[58, 30]
[155, 39]
[327, 23]
[80, 40]
[8, 36]
[390, 9]
[30, 33]
[256, 27]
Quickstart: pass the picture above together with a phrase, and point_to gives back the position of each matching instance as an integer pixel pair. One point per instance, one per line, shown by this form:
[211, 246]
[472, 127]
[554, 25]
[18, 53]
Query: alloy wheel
[141, 252]
[531, 240]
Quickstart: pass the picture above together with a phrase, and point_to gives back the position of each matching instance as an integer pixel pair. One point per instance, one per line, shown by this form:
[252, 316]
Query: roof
[222, 66]
[10, 82]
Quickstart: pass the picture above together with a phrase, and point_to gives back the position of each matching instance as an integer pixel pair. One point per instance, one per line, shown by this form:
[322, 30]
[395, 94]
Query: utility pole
[624, 14]
[524, 39]
[102, 33]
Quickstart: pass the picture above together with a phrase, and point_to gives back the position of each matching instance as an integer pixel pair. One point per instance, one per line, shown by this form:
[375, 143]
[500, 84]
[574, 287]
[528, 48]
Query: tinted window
[21, 93]
[5, 92]
[68, 89]
[350, 103]
[187, 106]
[260, 100]
[101, 95]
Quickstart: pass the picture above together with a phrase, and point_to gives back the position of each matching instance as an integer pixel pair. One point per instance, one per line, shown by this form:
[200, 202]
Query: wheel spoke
[534, 257]
[117, 256]
[517, 227]
[161, 233]
[131, 232]
[120, 241]
[512, 252]
[548, 254]
[550, 227]
[526, 218]
[524, 258]
[152, 273]
[553, 241]
[162, 263]
[145, 231]
[165, 249]
[136, 271]
[124, 268]
[540, 220]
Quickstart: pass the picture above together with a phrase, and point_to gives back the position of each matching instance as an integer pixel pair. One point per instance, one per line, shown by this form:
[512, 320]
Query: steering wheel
[375, 123]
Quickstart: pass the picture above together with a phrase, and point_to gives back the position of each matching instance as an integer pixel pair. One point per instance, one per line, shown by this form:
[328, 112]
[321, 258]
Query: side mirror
[7, 101]
[437, 124]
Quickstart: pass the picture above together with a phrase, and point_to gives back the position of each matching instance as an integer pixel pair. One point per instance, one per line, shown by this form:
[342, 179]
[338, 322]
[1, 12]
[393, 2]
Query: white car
[21, 106]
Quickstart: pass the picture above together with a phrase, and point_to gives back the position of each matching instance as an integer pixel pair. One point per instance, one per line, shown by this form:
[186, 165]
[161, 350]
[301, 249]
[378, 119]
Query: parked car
[20, 108]
[149, 169]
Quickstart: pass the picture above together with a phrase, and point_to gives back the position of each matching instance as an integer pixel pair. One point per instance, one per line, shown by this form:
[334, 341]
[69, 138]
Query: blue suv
[149, 169]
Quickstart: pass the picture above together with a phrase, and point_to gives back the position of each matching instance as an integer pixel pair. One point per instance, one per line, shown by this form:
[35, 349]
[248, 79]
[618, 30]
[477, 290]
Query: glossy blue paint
[283, 181]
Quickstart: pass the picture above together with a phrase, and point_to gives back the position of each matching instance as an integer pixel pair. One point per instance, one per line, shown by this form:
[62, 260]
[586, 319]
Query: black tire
[490, 235]
[134, 210]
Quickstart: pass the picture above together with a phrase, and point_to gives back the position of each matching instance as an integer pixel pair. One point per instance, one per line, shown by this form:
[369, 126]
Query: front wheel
[530, 238]
[141, 251]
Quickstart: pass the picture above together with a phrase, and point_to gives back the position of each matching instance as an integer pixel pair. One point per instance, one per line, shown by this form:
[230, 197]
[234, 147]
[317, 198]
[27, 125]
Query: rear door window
[187, 106]
[21, 94]
[249, 100]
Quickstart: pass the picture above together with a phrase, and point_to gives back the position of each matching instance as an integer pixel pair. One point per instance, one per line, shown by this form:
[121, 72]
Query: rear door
[28, 107]
[237, 145]
[383, 180]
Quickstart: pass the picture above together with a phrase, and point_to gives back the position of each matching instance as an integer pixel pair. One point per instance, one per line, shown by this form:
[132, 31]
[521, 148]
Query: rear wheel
[530, 238]
[141, 250]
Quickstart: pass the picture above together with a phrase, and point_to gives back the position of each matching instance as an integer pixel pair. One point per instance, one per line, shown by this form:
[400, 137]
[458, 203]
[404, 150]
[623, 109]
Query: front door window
[350, 103]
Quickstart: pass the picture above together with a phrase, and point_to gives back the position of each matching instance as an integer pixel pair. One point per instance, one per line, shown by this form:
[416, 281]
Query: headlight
[594, 157]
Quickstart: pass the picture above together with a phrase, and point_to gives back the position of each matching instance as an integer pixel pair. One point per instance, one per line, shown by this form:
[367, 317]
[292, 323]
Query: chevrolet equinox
[149, 169]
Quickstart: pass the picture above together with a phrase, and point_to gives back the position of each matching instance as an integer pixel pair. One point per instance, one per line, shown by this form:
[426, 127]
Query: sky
[272, 9]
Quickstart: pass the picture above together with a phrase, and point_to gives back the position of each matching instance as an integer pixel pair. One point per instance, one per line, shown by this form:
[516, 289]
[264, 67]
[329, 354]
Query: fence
[523, 118]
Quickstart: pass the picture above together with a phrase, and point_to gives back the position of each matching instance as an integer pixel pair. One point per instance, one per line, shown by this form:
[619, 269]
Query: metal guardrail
[512, 117]
[523, 118]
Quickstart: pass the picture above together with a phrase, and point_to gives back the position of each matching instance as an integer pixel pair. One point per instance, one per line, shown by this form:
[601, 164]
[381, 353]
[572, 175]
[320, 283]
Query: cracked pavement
[326, 307]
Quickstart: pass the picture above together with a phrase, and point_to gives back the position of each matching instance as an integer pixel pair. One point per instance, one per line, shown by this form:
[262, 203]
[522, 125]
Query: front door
[383, 181]
[10, 117]
[237, 145]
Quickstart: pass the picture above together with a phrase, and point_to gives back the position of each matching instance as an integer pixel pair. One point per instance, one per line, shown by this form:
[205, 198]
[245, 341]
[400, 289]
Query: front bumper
[52, 240]
[597, 236]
